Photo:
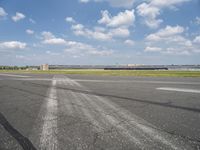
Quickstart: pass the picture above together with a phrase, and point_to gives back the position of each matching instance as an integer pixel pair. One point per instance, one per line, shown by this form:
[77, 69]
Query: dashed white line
[179, 90]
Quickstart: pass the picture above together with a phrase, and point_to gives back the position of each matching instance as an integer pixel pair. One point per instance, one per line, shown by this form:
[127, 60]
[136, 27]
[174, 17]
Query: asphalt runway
[74, 112]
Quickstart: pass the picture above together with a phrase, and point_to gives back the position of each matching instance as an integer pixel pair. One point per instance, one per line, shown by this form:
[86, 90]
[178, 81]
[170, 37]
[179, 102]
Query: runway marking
[179, 90]
[13, 75]
[135, 129]
[48, 139]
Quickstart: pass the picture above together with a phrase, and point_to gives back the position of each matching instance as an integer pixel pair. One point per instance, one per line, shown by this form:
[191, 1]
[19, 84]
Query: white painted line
[13, 75]
[48, 139]
[179, 90]
[130, 126]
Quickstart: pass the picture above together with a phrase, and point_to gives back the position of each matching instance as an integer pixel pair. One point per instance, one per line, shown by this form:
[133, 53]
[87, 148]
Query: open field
[147, 73]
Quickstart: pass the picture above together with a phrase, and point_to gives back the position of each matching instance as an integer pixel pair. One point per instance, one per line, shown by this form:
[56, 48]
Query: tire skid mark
[148, 133]
[23, 141]
[70, 101]
[86, 111]
[133, 123]
[115, 122]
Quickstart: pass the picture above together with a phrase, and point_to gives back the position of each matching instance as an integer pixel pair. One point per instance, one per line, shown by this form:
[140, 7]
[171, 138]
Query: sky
[99, 32]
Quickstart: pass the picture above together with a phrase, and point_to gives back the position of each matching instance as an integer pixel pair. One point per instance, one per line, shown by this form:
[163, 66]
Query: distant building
[44, 67]
[31, 69]
[134, 65]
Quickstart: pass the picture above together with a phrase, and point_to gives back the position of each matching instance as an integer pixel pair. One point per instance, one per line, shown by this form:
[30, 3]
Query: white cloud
[49, 38]
[197, 20]
[119, 32]
[129, 42]
[52, 53]
[20, 57]
[77, 48]
[19, 16]
[165, 33]
[55, 41]
[150, 11]
[125, 18]
[2, 12]
[197, 39]
[84, 1]
[99, 33]
[152, 49]
[73, 47]
[167, 3]
[115, 27]
[29, 31]
[172, 41]
[32, 21]
[13, 45]
[114, 3]
[70, 20]
[77, 27]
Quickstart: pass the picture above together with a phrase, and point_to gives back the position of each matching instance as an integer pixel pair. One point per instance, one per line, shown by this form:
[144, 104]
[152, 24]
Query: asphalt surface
[74, 112]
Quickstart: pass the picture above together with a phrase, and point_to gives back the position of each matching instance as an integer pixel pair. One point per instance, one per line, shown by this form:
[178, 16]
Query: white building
[44, 67]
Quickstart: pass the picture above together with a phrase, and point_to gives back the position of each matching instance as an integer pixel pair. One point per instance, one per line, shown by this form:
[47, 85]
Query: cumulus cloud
[197, 39]
[52, 53]
[77, 48]
[100, 33]
[70, 20]
[2, 12]
[150, 14]
[170, 35]
[32, 21]
[12, 45]
[129, 42]
[197, 20]
[97, 34]
[29, 31]
[84, 1]
[152, 49]
[172, 39]
[115, 27]
[119, 32]
[49, 38]
[114, 3]
[165, 33]
[150, 11]
[125, 18]
[20, 56]
[73, 46]
[19, 16]
[167, 3]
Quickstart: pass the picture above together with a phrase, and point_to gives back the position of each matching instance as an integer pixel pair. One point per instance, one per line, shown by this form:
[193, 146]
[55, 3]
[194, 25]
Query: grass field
[156, 73]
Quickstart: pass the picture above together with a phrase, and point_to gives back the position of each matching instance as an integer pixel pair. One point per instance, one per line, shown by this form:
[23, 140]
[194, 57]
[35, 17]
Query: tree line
[16, 67]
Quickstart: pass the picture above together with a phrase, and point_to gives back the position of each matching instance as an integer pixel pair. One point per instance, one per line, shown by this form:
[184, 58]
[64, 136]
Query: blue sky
[33, 32]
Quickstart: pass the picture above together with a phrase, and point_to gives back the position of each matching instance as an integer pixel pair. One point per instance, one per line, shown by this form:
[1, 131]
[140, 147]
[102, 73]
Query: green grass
[149, 73]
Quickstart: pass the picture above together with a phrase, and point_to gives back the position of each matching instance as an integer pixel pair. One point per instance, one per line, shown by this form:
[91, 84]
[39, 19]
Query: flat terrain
[145, 73]
[87, 112]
